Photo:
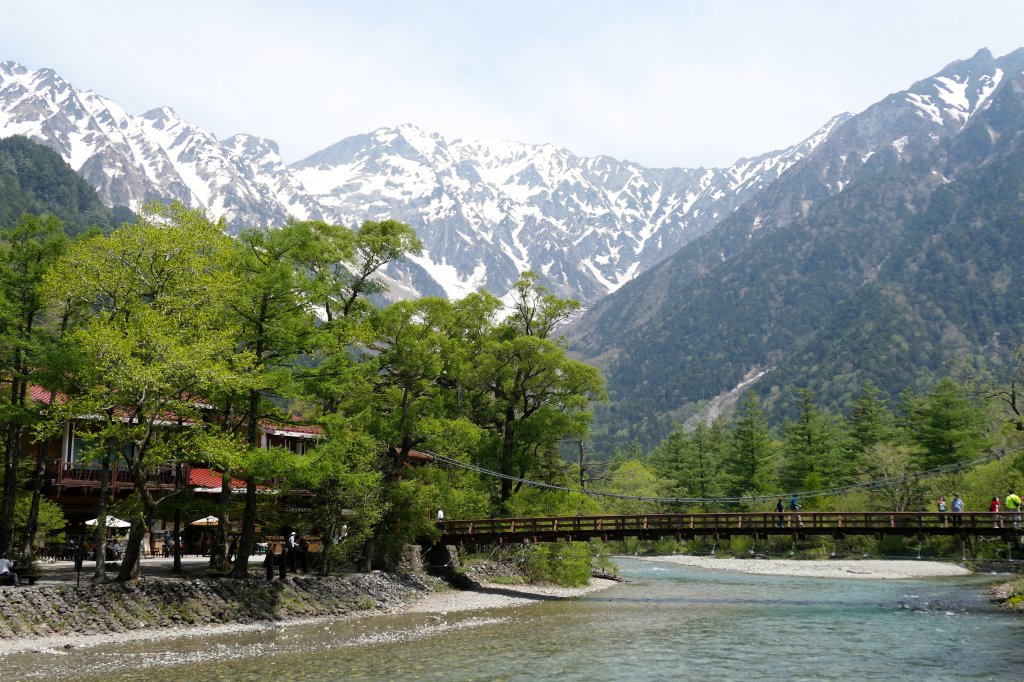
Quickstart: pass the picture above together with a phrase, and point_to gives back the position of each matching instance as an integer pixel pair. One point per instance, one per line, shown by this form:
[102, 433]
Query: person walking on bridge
[794, 506]
[958, 510]
[1013, 504]
[993, 507]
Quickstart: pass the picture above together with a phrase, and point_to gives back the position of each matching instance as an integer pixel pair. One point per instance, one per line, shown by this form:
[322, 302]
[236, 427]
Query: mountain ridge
[789, 270]
[486, 210]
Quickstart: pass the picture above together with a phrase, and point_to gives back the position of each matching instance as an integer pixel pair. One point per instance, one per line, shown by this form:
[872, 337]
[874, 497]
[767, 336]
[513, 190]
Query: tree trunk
[245, 543]
[218, 553]
[100, 573]
[133, 552]
[507, 451]
[325, 550]
[369, 549]
[12, 459]
[38, 472]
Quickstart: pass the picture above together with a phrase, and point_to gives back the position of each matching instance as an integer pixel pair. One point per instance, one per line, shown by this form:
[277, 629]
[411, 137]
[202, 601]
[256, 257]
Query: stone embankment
[161, 604]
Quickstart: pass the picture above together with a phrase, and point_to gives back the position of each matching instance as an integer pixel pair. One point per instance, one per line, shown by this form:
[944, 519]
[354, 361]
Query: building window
[79, 452]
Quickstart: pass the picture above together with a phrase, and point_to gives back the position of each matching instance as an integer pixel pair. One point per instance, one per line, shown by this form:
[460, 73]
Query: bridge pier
[440, 558]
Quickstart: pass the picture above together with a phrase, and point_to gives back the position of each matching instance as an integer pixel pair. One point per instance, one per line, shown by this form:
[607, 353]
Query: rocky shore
[47, 617]
[62, 613]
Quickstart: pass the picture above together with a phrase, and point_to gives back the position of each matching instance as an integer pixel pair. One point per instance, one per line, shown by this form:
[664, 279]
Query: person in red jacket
[994, 508]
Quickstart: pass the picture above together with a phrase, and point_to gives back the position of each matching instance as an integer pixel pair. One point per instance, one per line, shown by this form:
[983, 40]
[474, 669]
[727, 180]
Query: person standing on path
[291, 551]
[779, 509]
[993, 507]
[958, 510]
[941, 505]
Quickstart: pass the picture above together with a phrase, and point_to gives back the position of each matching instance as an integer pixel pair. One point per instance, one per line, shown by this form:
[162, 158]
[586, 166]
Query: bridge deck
[723, 525]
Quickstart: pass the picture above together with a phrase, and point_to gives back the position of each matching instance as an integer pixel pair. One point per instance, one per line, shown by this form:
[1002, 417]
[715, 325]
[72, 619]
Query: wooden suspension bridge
[720, 526]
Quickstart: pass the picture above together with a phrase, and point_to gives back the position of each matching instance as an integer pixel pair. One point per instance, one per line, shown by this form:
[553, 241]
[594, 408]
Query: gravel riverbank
[861, 569]
[498, 596]
[58, 614]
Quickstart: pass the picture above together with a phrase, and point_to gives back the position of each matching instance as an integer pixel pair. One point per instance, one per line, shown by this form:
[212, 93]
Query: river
[666, 622]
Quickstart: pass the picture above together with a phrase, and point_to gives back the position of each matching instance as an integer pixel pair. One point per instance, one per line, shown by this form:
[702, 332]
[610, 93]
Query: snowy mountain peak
[485, 210]
[951, 97]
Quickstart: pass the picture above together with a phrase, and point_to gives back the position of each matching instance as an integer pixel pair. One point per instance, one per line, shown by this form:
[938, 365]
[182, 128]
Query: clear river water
[666, 622]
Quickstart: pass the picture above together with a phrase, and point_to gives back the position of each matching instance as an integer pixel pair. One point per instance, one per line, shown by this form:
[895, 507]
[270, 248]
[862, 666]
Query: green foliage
[562, 563]
[524, 387]
[694, 463]
[347, 495]
[633, 479]
[945, 424]
[815, 444]
[751, 463]
[50, 523]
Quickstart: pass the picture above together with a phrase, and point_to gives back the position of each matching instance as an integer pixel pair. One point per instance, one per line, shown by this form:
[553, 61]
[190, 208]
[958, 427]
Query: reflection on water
[667, 622]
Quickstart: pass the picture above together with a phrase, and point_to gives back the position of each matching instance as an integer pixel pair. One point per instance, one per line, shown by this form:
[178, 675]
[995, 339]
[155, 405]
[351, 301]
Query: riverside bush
[565, 564]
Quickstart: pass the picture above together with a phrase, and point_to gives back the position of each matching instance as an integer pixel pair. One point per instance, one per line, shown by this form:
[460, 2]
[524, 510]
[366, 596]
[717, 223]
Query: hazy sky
[681, 83]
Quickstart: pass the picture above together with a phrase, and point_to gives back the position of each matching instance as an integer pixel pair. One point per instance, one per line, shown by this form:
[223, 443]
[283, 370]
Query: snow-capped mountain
[485, 210]
[904, 127]
[489, 210]
[889, 253]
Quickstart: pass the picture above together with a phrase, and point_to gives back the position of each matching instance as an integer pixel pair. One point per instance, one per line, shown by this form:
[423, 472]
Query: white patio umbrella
[206, 521]
[112, 522]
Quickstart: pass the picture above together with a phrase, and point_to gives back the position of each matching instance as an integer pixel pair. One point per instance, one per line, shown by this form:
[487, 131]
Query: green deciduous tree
[26, 252]
[152, 330]
[529, 393]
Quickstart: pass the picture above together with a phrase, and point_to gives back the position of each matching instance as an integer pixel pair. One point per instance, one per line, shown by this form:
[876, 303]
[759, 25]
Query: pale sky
[673, 83]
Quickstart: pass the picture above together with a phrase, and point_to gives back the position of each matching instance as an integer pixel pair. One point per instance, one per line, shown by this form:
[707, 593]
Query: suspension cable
[824, 492]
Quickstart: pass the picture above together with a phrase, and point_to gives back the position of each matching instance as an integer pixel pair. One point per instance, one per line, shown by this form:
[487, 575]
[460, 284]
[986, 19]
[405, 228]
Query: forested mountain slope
[914, 263]
[35, 179]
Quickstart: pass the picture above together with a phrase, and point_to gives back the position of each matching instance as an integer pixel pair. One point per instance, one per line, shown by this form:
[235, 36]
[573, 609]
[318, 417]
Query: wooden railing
[75, 475]
[837, 524]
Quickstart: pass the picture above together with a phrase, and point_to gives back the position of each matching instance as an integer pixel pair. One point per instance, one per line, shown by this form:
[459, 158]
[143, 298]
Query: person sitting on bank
[7, 571]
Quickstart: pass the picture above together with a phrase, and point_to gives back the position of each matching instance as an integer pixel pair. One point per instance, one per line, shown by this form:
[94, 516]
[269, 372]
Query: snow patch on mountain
[486, 210]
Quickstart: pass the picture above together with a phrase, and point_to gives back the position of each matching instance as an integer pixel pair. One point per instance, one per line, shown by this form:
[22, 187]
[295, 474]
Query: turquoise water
[667, 622]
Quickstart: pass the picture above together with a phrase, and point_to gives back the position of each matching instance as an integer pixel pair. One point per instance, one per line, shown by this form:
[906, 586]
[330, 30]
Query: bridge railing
[728, 523]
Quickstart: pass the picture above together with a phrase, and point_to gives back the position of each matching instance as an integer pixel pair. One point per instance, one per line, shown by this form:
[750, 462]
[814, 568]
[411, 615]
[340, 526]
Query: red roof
[40, 394]
[208, 478]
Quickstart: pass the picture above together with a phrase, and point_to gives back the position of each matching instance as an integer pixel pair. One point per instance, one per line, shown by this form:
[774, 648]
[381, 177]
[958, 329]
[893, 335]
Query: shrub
[565, 564]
